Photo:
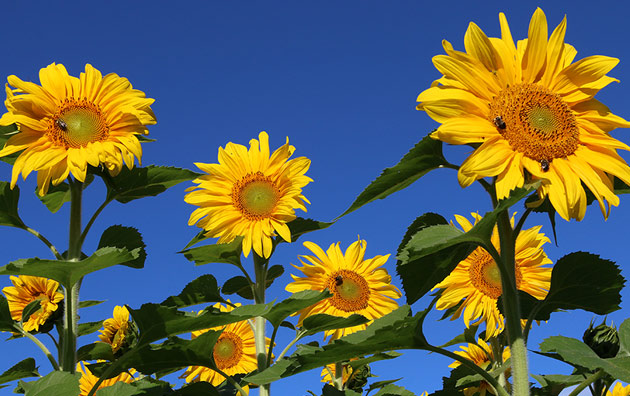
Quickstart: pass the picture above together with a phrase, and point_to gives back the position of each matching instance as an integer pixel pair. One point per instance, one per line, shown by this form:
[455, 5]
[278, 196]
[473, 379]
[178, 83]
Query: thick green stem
[71, 296]
[511, 306]
[338, 378]
[260, 268]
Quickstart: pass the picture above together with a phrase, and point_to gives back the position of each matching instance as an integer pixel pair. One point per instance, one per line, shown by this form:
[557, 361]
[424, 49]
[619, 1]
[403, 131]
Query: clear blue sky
[340, 79]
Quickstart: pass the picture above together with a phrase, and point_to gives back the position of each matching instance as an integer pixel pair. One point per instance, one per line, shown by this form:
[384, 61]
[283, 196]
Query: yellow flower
[115, 329]
[330, 368]
[359, 285]
[88, 380]
[619, 390]
[250, 194]
[482, 355]
[68, 122]
[27, 289]
[532, 113]
[476, 281]
[234, 352]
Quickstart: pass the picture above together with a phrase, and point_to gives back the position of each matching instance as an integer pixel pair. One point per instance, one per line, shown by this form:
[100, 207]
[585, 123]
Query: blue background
[340, 79]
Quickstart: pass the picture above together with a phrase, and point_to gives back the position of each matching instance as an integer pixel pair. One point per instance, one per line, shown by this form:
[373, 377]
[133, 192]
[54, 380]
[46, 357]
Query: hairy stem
[260, 268]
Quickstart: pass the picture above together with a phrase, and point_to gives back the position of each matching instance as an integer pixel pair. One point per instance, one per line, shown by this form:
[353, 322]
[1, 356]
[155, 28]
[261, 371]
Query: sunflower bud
[602, 339]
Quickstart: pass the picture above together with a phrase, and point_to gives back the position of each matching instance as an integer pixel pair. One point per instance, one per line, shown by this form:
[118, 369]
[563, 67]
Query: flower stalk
[260, 268]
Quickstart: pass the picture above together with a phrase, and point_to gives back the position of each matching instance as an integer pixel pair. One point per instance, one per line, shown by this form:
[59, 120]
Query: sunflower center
[255, 196]
[351, 291]
[77, 123]
[535, 122]
[228, 350]
[485, 274]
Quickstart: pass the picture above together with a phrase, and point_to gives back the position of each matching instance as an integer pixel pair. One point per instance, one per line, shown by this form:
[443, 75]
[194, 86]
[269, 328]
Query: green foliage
[239, 285]
[394, 390]
[578, 354]
[425, 156]
[330, 390]
[374, 358]
[202, 290]
[69, 272]
[89, 303]
[60, 194]
[5, 133]
[624, 338]
[30, 309]
[298, 301]
[554, 384]
[145, 182]
[6, 321]
[9, 206]
[197, 389]
[95, 351]
[24, 369]
[300, 226]
[55, 383]
[89, 327]
[119, 236]
[323, 322]
[228, 253]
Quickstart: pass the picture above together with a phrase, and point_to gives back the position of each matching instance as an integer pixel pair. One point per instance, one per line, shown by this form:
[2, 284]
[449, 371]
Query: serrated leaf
[90, 303]
[424, 157]
[435, 250]
[394, 390]
[89, 327]
[119, 236]
[69, 272]
[145, 182]
[24, 369]
[5, 133]
[55, 383]
[557, 381]
[580, 281]
[624, 338]
[30, 309]
[324, 322]
[95, 351]
[239, 285]
[300, 226]
[228, 253]
[374, 358]
[298, 301]
[200, 291]
[329, 390]
[9, 206]
[578, 354]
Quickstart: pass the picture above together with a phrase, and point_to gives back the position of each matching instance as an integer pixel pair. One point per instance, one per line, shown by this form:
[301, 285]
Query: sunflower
[116, 329]
[88, 380]
[250, 194]
[68, 122]
[474, 286]
[27, 289]
[532, 114]
[330, 369]
[359, 285]
[481, 354]
[619, 390]
[234, 352]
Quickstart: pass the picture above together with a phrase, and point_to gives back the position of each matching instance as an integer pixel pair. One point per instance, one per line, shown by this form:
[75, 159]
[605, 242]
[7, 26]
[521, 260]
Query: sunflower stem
[260, 265]
[588, 381]
[338, 378]
[42, 238]
[511, 306]
[71, 292]
[41, 346]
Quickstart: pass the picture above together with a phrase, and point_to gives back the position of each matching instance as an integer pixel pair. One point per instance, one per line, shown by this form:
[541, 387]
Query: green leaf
[425, 156]
[239, 285]
[197, 389]
[30, 309]
[156, 322]
[374, 358]
[55, 383]
[89, 327]
[556, 383]
[380, 384]
[69, 272]
[145, 182]
[298, 301]
[274, 272]
[624, 338]
[324, 322]
[396, 330]
[546, 207]
[60, 194]
[329, 390]
[6, 321]
[436, 248]
[228, 253]
[5, 133]
[300, 226]
[200, 291]
[469, 335]
[125, 237]
[24, 369]
[578, 354]
[581, 281]
[394, 390]
[90, 303]
[9, 206]
[95, 351]
[201, 236]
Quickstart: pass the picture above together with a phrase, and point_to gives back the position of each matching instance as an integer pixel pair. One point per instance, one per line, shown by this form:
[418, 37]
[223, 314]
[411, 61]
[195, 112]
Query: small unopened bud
[602, 339]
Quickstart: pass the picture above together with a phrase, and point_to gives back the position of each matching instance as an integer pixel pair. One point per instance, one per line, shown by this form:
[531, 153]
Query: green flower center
[255, 196]
[228, 350]
[77, 124]
[351, 292]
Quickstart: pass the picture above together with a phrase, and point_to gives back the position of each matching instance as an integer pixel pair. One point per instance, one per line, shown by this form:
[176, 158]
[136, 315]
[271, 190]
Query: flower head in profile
[531, 110]
[250, 193]
[619, 390]
[234, 353]
[27, 289]
[482, 355]
[329, 371]
[116, 330]
[88, 380]
[68, 123]
[474, 286]
[359, 285]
